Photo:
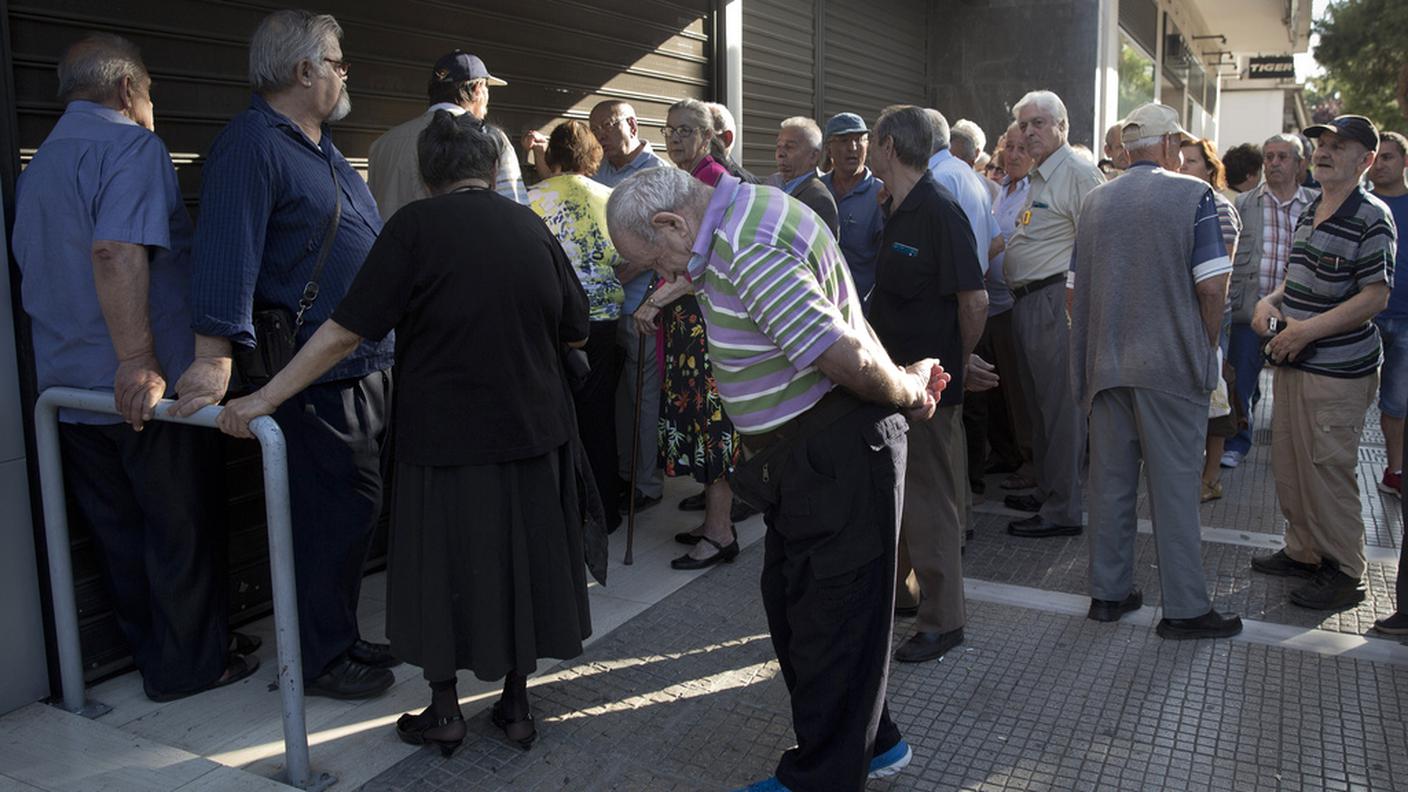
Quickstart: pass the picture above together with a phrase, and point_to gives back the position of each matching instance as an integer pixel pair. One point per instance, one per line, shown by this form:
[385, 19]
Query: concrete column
[730, 49]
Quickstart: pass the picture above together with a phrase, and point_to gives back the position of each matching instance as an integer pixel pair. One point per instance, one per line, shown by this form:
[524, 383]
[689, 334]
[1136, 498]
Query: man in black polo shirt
[928, 301]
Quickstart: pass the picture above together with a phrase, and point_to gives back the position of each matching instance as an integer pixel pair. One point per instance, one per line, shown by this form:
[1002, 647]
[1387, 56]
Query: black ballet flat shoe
[508, 727]
[415, 730]
[726, 553]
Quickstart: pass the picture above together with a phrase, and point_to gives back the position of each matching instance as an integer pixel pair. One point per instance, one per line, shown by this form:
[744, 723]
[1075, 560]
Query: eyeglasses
[340, 66]
[680, 132]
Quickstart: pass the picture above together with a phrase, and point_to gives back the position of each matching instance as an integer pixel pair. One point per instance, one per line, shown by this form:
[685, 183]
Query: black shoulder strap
[310, 290]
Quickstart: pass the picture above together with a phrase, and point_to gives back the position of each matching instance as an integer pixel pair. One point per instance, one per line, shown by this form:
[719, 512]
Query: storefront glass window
[1136, 76]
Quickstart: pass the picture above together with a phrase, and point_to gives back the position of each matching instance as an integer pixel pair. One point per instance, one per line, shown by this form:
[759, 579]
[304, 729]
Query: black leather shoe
[1026, 503]
[643, 502]
[1112, 610]
[1036, 527]
[1210, 625]
[1278, 563]
[693, 503]
[376, 655]
[725, 553]
[348, 679]
[923, 646]
[1330, 589]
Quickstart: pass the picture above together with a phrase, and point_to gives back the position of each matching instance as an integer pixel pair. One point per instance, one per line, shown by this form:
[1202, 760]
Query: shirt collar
[276, 119]
[1056, 160]
[100, 110]
[790, 186]
[450, 107]
[724, 194]
[940, 156]
[867, 180]
[1347, 208]
[921, 190]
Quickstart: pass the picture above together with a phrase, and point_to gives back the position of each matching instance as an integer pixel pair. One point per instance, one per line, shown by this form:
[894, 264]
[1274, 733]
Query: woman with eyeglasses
[696, 438]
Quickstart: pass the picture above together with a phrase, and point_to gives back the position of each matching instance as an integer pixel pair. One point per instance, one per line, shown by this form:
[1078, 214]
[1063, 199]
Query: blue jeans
[1393, 379]
[1244, 353]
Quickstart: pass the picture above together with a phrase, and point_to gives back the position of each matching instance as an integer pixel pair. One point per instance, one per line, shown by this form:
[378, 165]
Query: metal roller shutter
[779, 74]
[875, 55]
[821, 57]
[560, 57]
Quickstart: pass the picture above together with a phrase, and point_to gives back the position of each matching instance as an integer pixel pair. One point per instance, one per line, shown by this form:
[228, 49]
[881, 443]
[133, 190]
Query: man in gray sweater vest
[1150, 280]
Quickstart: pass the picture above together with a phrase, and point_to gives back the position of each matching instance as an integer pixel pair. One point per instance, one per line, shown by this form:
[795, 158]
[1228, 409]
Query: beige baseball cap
[1152, 120]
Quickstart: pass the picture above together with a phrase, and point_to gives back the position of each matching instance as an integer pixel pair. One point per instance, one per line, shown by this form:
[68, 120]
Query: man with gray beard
[275, 193]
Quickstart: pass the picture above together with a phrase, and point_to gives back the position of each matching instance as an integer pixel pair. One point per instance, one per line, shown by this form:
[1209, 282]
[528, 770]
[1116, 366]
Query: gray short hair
[284, 39]
[1046, 101]
[698, 112]
[1286, 137]
[942, 135]
[723, 119]
[972, 136]
[1140, 144]
[911, 130]
[808, 128]
[638, 199]
[453, 147]
[93, 67]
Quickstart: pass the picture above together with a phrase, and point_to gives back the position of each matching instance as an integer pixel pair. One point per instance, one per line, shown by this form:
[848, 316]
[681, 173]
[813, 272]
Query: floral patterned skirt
[696, 438]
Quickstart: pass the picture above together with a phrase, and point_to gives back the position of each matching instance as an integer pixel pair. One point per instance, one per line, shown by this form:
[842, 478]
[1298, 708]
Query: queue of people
[848, 353]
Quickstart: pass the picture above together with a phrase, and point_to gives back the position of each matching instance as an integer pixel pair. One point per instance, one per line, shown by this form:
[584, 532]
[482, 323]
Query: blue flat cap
[845, 124]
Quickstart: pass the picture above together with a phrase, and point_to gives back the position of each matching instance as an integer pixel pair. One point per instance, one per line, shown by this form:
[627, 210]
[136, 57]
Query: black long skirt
[485, 568]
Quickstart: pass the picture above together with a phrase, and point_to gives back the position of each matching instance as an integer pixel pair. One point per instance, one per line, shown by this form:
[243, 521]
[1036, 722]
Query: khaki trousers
[1315, 429]
[931, 530]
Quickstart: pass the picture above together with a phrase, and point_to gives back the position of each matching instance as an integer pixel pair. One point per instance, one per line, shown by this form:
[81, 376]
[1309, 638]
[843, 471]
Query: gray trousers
[1058, 429]
[1166, 433]
[648, 478]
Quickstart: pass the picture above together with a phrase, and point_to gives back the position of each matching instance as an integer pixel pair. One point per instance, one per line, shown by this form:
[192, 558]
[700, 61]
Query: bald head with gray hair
[283, 40]
[635, 202]
[942, 135]
[93, 68]
[725, 128]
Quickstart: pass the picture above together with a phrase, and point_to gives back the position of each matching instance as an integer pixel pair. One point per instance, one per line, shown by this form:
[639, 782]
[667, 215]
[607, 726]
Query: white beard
[343, 106]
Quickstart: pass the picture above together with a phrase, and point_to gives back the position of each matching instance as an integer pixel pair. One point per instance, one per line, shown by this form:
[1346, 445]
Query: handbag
[276, 328]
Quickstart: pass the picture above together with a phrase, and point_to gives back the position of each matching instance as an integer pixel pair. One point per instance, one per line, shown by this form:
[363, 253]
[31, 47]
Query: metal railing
[276, 498]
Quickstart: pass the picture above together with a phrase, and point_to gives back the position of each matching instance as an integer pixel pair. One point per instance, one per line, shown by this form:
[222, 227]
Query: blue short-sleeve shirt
[862, 226]
[266, 200]
[99, 177]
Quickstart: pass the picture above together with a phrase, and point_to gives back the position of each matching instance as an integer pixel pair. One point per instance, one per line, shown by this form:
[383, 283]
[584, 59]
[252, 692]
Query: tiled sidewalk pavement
[687, 697]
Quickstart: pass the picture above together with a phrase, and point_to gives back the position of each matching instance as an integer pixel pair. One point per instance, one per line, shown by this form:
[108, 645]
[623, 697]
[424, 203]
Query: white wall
[1250, 117]
[24, 677]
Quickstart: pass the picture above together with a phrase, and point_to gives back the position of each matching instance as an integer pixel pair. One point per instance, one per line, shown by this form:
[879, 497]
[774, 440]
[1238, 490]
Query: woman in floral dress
[696, 438]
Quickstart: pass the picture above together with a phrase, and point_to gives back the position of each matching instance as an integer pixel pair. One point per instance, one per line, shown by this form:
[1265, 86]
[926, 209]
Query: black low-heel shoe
[497, 717]
[726, 554]
[415, 730]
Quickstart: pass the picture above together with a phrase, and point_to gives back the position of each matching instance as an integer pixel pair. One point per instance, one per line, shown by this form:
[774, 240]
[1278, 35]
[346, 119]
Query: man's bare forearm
[1212, 302]
[121, 277]
[860, 365]
[972, 318]
[1350, 314]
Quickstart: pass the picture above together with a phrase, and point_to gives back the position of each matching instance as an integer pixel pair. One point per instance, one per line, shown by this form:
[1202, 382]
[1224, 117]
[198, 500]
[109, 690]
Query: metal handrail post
[285, 590]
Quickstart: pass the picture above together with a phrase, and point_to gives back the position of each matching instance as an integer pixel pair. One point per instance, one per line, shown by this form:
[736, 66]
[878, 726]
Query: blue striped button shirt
[265, 202]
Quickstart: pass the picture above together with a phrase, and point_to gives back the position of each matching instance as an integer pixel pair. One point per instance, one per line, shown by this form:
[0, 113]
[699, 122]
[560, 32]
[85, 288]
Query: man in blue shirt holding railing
[267, 200]
[103, 241]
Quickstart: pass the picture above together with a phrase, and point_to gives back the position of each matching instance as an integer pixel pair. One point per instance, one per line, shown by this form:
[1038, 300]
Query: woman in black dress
[485, 566]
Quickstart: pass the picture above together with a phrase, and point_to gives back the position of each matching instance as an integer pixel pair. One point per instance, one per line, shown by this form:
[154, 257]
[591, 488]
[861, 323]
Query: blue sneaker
[892, 761]
[767, 785]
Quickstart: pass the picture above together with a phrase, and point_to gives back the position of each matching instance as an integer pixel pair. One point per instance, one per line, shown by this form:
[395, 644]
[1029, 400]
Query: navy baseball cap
[845, 124]
[1353, 127]
[459, 66]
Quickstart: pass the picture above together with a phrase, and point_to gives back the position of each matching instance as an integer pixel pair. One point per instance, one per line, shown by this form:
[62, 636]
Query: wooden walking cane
[635, 450]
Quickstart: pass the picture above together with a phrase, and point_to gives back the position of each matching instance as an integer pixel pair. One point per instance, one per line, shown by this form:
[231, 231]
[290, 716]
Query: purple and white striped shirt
[776, 294]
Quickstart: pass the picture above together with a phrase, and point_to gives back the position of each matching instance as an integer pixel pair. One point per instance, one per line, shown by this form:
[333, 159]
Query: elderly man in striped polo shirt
[1328, 351]
[819, 404]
